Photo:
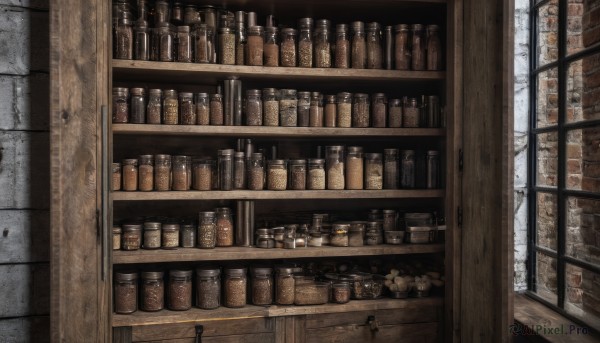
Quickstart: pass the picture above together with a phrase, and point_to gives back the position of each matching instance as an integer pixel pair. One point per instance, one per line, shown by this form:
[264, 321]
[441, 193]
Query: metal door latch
[373, 323]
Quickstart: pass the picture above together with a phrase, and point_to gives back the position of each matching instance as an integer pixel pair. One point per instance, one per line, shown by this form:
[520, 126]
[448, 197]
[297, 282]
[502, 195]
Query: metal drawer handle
[199, 331]
[373, 323]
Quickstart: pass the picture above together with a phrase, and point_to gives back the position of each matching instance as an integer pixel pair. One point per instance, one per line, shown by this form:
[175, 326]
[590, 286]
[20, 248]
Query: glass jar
[402, 47]
[297, 174]
[120, 105]
[434, 48]
[407, 169]
[341, 292]
[170, 107]
[187, 109]
[216, 109]
[411, 113]
[170, 236]
[342, 46]
[288, 47]
[391, 169]
[330, 115]
[180, 174]
[141, 49]
[239, 170]
[354, 168]
[191, 16]
[126, 289]
[374, 234]
[374, 48]
[316, 174]
[154, 107]
[224, 227]
[262, 286]
[166, 37]
[303, 108]
[203, 47]
[256, 172]
[180, 290]
[285, 286]
[359, 45]
[129, 171]
[360, 110]
[271, 47]
[339, 235]
[188, 166]
[305, 43]
[208, 288]
[388, 50]
[270, 107]
[356, 234]
[234, 284]
[379, 108]
[277, 175]
[226, 169]
[207, 230]
[123, 37]
[288, 104]
[373, 171]
[344, 109]
[334, 156]
[152, 235]
[184, 44]
[162, 13]
[316, 110]
[202, 109]
[116, 176]
[188, 235]
[132, 236]
[433, 169]
[395, 113]
[419, 45]
[138, 106]
[153, 291]
[162, 172]
[226, 46]
[254, 107]
[255, 46]
[177, 13]
[241, 40]
[390, 220]
[116, 235]
[322, 44]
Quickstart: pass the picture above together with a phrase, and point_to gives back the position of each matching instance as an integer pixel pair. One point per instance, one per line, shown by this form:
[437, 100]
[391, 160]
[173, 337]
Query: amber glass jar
[129, 171]
[224, 227]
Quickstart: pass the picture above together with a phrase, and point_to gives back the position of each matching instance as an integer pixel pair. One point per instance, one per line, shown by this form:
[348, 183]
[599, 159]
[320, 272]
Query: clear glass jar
[254, 107]
[433, 169]
[359, 45]
[141, 49]
[412, 113]
[154, 108]
[120, 105]
[262, 286]
[180, 174]
[395, 113]
[215, 175]
[166, 37]
[188, 235]
[153, 291]
[407, 169]
[226, 46]
[342, 46]
[116, 176]
[187, 109]
[360, 110]
[305, 43]
[402, 47]
[434, 48]
[162, 172]
[241, 41]
[202, 109]
[255, 46]
[180, 290]
[270, 107]
[162, 13]
[184, 44]
[226, 169]
[152, 235]
[277, 175]
[303, 108]
[256, 172]
[288, 47]
[374, 48]
[356, 234]
[379, 109]
[322, 44]
[419, 61]
[116, 235]
[316, 174]
[330, 111]
[207, 230]
[339, 235]
[391, 169]
[177, 13]
[390, 220]
[208, 288]
[288, 107]
[203, 46]
[344, 109]
[224, 227]
[285, 286]
[316, 110]
[125, 293]
[188, 165]
[216, 109]
[271, 47]
[354, 167]
[137, 106]
[170, 236]
[129, 171]
[123, 36]
[239, 170]
[297, 174]
[373, 171]
[132, 236]
[191, 16]
[170, 107]
[341, 292]
[334, 156]
[234, 284]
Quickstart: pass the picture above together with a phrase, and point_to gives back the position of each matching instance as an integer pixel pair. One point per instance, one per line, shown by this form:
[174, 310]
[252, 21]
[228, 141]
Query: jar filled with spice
[191, 16]
[154, 108]
[216, 109]
[297, 174]
[354, 168]
[316, 174]
[152, 235]
[132, 236]
[288, 47]
[203, 44]
[305, 43]
[412, 113]
[356, 234]
[254, 107]
[170, 107]
[170, 236]
[330, 111]
[402, 47]
[379, 108]
[208, 288]
[374, 48]
[255, 46]
[373, 171]
[339, 235]
[184, 44]
[316, 110]
[256, 172]
[288, 104]
[303, 108]
[120, 105]
[162, 172]
[187, 109]
[202, 109]
[284, 286]
[341, 292]
[271, 47]
[241, 38]
[395, 113]
[166, 37]
[126, 289]
[344, 109]
[188, 235]
[226, 169]
[239, 170]
[419, 45]
[360, 110]
[123, 39]
[270, 107]
[153, 291]
[359, 45]
[224, 227]
[277, 175]
[138, 106]
[207, 230]
[226, 46]
[374, 235]
[334, 156]
[262, 286]
[434, 48]
[116, 176]
[180, 290]
[391, 169]
[177, 13]
[180, 173]
[390, 220]
[162, 13]
[322, 44]
[234, 284]
[342, 46]
[116, 235]
[129, 171]
[407, 169]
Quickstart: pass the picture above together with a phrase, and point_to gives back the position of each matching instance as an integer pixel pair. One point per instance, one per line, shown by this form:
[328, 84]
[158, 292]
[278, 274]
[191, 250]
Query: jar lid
[188, 225]
[433, 27]
[132, 227]
[216, 96]
[389, 211]
[257, 156]
[389, 28]
[287, 91]
[225, 30]
[391, 151]
[202, 95]
[223, 210]
[152, 275]
[263, 231]
[395, 102]
[278, 230]
[235, 272]
[239, 154]
[186, 94]
[180, 273]
[271, 29]
[358, 26]
[344, 95]
[116, 229]
[152, 225]
[256, 92]
[341, 285]
[316, 94]
[407, 152]
[330, 99]
[297, 162]
[170, 227]
[284, 270]
[208, 272]
[206, 214]
[141, 24]
[137, 91]
[162, 157]
[305, 23]
[361, 95]
[288, 31]
[146, 157]
[374, 26]
[226, 152]
[276, 162]
[334, 147]
[355, 149]
[126, 276]
[316, 161]
[341, 28]
[303, 94]
[183, 28]
[262, 271]
[130, 161]
[256, 30]
[433, 152]
[416, 27]
[269, 91]
[401, 27]
[323, 23]
[379, 95]
[170, 92]
[116, 165]
[373, 156]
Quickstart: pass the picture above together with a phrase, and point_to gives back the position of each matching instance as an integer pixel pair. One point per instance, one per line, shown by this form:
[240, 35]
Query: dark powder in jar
[125, 298]
[180, 295]
[271, 113]
[235, 292]
[303, 111]
[322, 55]
[240, 53]
[288, 112]
[316, 116]
[342, 54]
[262, 291]
[254, 114]
[255, 50]
[153, 296]
[188, 113]
[359, 53]
[395, 116]
[360, 114]
[271, 55]
[379, 114]
[330, 115]
[411, 117]
[224, 232]
[374, 55]
[298, 179]
[341, 295]
[216, 112]
[120, 112]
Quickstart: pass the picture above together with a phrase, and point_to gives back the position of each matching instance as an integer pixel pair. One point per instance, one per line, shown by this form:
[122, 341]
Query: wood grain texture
[210, 329]
[412, 333]
[249, 338]
[410, 314]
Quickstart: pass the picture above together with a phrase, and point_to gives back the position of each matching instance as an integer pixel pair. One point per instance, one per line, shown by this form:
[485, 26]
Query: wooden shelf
[250, 253]
[140, 318]
[276, 195]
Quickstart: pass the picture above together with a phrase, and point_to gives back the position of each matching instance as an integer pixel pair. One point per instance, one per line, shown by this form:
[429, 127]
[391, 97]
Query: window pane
[583, 89]
[583, 159]
[582, 296]
[546, 108]
[583, 229]
[574, 159]
[545, 280]
[574, 26]
[546, 223]
[547, 159]
[547, 33]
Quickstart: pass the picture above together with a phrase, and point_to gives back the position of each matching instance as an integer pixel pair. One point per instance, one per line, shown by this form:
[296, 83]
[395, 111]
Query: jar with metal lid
[153, 291]
[373, 171]
[356, 234]
[360, 110]
[239, 170]
[344, 109]
[254, 107]
[138, 106]
[234, 284]
[271, 47]
[434, 48]
[226, 169]
[116, 176]
[116, 235]
[373, 236]
[412, 113]
[265, 238]
[391, 169]
[419, 61]
[297, 174]
[407, 169]
[188, 235]
[241, 38]
[216, 109]
[277, 175]
[374, 48]
[191, 16]
[208, 288]
[154, 107]
[203, 46]
[316, 110]
[305, 43]
[316, 174]
[334, 159]
[207, 230]
[202, 109]
[375, 215]
[330, 109]
[342, 46]
[226, 53]
[125, 294]
[432, 110]
[166, 37]
[354, 168]
[284, 286]
[315, 239]
[187, 109]
[341, 292]
[390, 220]
[288, 47]
[162, 172]
[120, 105]
[177, 13]
[262, 286]
[379, 109]
[395, 113]
[224, 227]
[132, 236]
[433, 169]
[162, 13]
[402, 47]
[129, 171]
[184, 44]
[123, 37]
[270, 107]
[152, 235]
[303, 108]
[170, 236]
[359, 45]
[255, 46]
[256, 172]
[388, 50]
[180, 290]
[322, 44]
[180, 174]
[141, 41]
[188, 165]
[288, 103]
[170, 107]
[339, 235]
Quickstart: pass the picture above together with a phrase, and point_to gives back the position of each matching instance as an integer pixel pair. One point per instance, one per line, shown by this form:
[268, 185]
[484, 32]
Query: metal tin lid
[223, 210]
[433, 152]
[206, 214]
[297, 162]
[152, 226]
[323, 23]
[358, 26]
[284, 269]
[401, 27]
[138, 91]
[407, 152]
[276, 162]
[116, 229]
[132, 227]
[269, 91]
[374, 26]
[130, 161]
[418, 228]
[202, 95]
[361, 95]
[379, 95]
[180, 273]
[126, 276]
[303, 94]
[216, 96]
[316, 161]
[344, 95]
[226, 152]
[186, 95]
[373, 156]
[255, 92]
[225, 30]
[263, 231]
[391, 151]
[304, 23]
[162, 157]
[170, 92]
[257, 156]
[262, 271]
[433, 27]
[183, 28]
[152, 275]
[170, 227]
[271, 30]
[341, 28]
[256, 31]
[288, 31]
[238, 154]
[416, 27]
[235, 272]
[354, 149]
[208, 272]
[289, 92]
[278, 230]
[330, 99]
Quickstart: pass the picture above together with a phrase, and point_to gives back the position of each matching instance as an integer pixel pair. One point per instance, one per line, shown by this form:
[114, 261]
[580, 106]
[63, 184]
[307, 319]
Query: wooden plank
[24, 236]
[122, 334]
[24, 102]
[249, 253]
[411, 333]
[249, 338]
[25, 290]
[23, 31]
[280, 334]
[25, 329]
[415, 314]
[299, 329]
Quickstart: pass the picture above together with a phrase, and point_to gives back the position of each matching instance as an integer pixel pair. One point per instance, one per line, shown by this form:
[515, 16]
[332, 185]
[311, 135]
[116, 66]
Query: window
[564, 159]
